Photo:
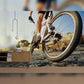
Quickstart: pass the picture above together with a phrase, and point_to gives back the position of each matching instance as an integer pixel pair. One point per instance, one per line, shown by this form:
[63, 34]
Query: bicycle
[59, 44]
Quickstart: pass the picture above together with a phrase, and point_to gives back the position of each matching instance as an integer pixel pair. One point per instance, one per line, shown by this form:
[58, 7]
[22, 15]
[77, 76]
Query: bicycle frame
[46, 29]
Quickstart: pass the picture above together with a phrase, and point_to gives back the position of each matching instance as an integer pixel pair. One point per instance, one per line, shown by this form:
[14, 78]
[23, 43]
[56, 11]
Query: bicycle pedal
[58, 36]
[52, 28]
[38, 47]
[36, 44]
[51, 33]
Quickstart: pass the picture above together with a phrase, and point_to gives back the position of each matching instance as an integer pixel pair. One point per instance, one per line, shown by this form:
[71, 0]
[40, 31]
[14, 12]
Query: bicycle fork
[52, 32]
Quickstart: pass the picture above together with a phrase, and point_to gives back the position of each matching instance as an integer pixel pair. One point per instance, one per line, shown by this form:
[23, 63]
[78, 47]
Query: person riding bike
[41, 14]
[30, 17]
[37, 39]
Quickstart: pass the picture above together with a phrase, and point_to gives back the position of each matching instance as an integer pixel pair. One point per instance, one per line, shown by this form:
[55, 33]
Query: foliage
[18, 46]
[23, 43]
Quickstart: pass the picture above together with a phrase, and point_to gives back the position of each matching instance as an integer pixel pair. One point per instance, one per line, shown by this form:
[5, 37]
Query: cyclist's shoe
[35, 44]
[31, 19]
[26, 9]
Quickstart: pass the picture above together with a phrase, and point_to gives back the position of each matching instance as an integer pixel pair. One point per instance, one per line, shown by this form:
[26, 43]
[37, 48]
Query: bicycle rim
[71, 43]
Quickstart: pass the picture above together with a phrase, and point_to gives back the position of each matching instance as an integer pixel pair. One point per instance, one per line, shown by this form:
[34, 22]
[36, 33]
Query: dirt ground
[39, 60]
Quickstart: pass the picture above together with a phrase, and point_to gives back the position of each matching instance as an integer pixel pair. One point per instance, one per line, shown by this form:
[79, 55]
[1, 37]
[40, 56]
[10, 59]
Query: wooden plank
[21, 56]
[43, 70]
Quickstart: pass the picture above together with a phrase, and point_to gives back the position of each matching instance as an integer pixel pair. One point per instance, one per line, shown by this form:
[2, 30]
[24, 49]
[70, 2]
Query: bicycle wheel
[69, 25]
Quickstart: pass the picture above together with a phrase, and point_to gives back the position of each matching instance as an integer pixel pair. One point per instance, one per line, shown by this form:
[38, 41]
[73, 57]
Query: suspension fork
[46, 37]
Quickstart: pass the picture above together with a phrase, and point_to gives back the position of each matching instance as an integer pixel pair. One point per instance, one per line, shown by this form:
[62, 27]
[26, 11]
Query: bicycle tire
[76, 38]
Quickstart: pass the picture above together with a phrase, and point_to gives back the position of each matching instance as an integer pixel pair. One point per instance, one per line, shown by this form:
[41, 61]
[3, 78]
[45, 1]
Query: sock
[38, 34]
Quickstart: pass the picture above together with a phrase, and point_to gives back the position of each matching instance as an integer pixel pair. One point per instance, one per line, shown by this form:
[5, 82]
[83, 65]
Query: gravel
[39, 60]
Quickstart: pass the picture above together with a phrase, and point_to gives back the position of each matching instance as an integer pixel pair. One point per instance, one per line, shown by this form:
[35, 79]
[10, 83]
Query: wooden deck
[43, 70]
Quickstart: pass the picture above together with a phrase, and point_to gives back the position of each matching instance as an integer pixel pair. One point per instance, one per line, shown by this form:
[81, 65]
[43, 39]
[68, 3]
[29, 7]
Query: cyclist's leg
[48, 4]
[30, 14]
[54, 6]
[37, 37]
[51, 16]
[51, 4]
[39, 21]
[30, 17]
[26, 5]
[40, 5]
[47, 15]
